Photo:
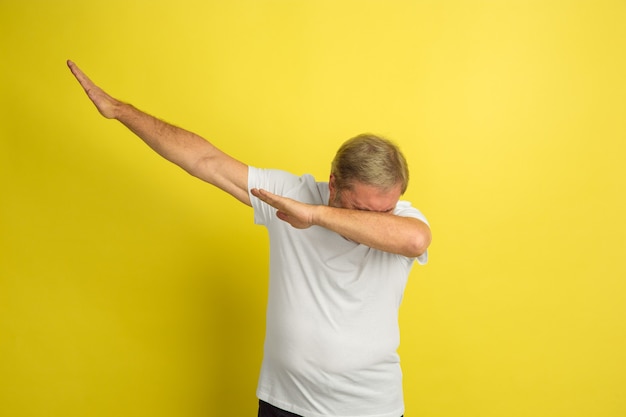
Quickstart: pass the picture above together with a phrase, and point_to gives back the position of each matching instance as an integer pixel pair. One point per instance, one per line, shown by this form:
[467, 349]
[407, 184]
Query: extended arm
[189, 151]
[383, 231]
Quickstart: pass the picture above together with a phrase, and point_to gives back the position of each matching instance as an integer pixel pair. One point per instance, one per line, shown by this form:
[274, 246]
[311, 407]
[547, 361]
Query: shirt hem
[305, 413]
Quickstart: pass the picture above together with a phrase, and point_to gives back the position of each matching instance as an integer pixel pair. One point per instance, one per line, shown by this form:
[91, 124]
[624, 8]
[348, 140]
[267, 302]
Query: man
[340, 255]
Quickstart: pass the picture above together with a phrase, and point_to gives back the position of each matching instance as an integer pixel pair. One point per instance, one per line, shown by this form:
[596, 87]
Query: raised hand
[297, 214]
[105, 104]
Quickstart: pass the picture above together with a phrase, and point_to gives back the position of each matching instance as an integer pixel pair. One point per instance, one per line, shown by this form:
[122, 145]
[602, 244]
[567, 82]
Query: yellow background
[128, 288]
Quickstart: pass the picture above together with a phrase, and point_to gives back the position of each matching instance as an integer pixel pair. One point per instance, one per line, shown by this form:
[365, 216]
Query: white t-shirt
[332, 316]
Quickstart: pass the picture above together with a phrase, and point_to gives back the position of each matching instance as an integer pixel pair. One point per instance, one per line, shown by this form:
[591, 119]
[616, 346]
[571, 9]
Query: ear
[332, 186]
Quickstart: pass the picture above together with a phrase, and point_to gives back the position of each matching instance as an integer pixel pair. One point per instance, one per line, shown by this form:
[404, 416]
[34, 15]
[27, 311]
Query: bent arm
[383, 231]
[186, 149]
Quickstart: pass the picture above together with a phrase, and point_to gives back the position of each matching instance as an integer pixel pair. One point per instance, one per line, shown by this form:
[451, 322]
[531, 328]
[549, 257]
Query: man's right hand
[105, 104]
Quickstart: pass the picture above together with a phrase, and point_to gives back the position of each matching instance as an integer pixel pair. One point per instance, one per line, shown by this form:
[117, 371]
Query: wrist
[120, 111]
[318, 215]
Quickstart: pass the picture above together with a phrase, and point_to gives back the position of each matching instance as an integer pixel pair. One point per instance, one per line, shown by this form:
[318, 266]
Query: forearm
[189, 151]
[387, 232]
[175, 144]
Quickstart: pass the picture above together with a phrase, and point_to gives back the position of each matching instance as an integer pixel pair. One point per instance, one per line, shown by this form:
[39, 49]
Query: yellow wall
[128, 288]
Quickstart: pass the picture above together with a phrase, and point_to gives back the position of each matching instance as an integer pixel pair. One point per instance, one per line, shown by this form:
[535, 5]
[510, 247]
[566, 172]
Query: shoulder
[302, 188]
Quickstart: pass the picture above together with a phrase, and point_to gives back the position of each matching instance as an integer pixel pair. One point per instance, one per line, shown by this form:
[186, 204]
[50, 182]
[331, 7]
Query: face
[364, 197]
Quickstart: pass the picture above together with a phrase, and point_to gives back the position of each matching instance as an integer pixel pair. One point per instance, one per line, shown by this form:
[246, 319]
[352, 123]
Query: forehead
[372, 198]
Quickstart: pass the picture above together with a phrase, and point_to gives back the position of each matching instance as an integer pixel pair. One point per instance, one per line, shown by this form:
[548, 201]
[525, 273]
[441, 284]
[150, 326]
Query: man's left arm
[406, 236]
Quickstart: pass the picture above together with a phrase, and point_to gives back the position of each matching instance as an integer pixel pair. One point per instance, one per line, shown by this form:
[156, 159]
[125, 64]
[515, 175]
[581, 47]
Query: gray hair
[371, 160]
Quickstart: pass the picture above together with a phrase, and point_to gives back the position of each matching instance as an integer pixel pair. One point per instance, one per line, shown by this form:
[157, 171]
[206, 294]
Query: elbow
[200, 168]
[419, 243]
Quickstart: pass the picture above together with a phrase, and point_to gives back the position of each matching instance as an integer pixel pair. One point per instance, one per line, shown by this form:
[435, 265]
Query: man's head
[368, 164]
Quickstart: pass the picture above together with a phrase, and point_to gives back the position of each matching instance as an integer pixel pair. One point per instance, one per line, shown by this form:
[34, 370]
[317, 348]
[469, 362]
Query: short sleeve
[405, 209]
[272, 180]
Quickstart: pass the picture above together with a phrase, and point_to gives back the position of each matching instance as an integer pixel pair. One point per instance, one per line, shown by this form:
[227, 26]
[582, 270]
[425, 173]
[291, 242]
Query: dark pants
[268, 410]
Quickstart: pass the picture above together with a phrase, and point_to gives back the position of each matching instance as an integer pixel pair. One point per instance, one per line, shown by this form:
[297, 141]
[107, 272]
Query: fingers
[105, 104]
[84, 81]
[76, 71]
[268, 198]
[286, 209]
[264, 196]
